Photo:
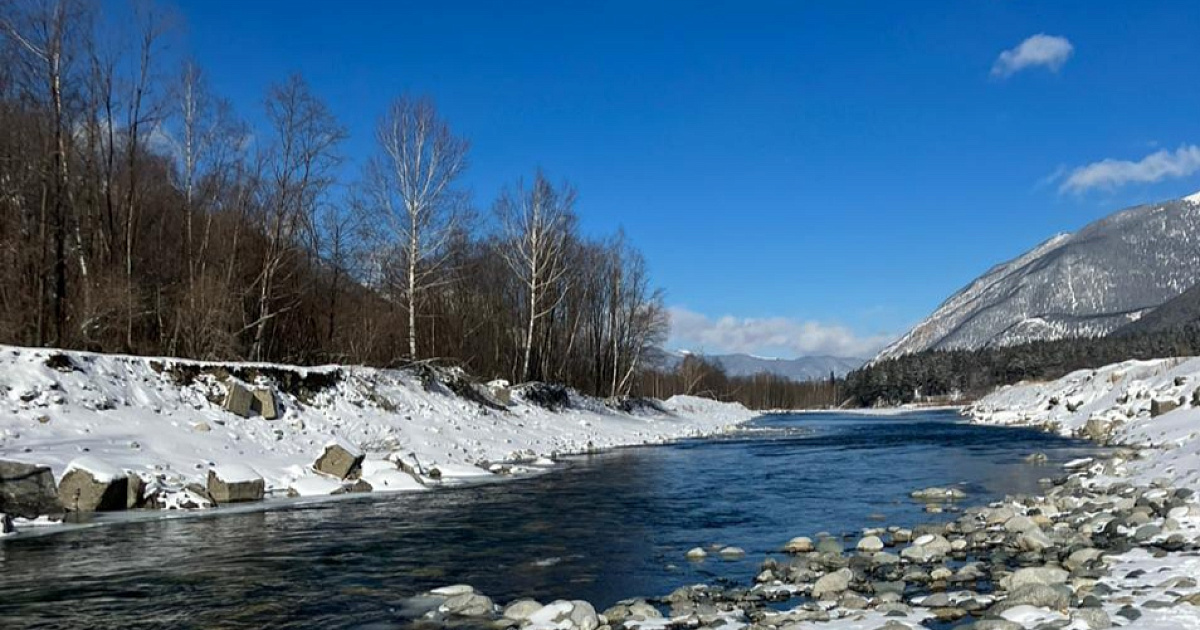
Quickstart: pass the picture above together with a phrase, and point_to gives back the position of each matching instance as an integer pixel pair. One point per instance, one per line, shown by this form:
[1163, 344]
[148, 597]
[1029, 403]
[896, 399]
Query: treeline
[140, 213]
[971, 374]
[698, 376]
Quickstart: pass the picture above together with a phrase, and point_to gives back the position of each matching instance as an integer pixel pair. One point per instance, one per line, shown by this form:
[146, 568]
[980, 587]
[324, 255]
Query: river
[603, 528]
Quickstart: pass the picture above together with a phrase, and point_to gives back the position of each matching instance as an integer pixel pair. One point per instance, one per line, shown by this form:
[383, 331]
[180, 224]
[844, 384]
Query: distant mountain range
[799, 369]
[1112, 273]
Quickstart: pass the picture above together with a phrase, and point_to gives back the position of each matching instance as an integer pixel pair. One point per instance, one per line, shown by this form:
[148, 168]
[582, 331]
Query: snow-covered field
[1114, 404]
[164, 420]
[1150, 405]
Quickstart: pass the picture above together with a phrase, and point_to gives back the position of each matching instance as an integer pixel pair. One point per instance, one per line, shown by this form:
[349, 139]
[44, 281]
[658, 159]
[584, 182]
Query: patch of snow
[1195, 198]
[115, 413]
[99, 470]
[236, 473]
[315, 486]
[393, 480]
[346, 445]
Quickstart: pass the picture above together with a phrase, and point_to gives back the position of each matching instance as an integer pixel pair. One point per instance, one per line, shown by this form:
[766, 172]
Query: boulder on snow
[264, 403]
[28, 491]
[6, 525]
[1159, 406]
[235, 484]
[238, 400]
[245, 402]
[339, 460]
[90, 485]
[135, 489]
[501, 391]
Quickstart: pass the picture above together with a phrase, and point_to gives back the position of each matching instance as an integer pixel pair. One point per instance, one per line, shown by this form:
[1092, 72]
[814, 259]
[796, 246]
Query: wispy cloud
[769, 336]
[1049, 51]
[1109, 174]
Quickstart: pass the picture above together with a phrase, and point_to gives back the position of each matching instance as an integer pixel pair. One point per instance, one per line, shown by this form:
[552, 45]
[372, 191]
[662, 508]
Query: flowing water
[607, 527]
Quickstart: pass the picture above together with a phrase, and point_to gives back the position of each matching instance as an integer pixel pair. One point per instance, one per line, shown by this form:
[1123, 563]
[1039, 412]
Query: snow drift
[166, 420]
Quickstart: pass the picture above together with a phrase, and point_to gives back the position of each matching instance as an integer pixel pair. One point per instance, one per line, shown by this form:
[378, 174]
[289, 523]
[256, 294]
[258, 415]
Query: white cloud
[1039, 50]
[769, 336]
[1109, 174]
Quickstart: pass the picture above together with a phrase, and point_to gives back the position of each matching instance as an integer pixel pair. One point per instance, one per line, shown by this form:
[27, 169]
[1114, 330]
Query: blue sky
[803, 177]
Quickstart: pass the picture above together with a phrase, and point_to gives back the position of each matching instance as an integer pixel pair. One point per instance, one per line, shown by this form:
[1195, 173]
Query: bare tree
[410, 194]
[209, 148]
[142, 112]
[45, 32]
[538, 224]
[299, 174]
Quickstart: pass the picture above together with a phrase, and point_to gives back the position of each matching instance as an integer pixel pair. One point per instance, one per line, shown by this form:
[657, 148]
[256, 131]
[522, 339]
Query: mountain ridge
[800, 369]
[1089, 283]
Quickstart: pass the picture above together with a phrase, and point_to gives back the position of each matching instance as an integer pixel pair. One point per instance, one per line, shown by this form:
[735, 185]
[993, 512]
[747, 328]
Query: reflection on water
[609, 527]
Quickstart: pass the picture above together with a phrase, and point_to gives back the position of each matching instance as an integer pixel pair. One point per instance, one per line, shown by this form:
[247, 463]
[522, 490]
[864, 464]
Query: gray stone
[870, 544]
[1034, 540]
[1042, 595]
[501, 391]
[468, 605]
[522, 609]
[135, 489]
[1035, 575]
[1130, 613]
[732, 553]
[642, 610]
[939, 494]
[1146, 532]
[338, 461]
[832, 583]
[799, 544]
[583, 616]
[264, 404]
[1019, 524]
[238, 400]
[1159, 406]
[995, 624]
[80, 491]
[1082, 557]
[28, 491]
[239, 491]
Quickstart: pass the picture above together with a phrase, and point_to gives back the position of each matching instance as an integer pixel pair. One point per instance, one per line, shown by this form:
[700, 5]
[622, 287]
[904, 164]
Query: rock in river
[799, 544]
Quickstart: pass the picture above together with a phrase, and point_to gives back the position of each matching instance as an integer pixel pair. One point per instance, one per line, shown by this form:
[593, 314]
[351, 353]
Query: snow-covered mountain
[799, 369]
[1089, 283]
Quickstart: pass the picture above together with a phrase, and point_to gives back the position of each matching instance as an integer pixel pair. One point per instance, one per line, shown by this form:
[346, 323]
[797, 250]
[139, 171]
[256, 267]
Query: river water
[606, 527]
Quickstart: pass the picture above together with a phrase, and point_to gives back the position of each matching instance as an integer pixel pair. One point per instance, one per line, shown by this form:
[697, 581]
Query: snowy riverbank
[1111, 542]
[1149, 405]
[1153, 408]
[170, 422]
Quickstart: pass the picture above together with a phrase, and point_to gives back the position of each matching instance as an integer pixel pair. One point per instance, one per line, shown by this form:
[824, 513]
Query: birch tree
[299, 173]
[44, 34]
[411, 196]
[538, 226]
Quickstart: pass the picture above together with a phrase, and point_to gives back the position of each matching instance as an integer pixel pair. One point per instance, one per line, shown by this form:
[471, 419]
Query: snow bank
[99, 470]
[236, 473]
[1148, 404]
[164, 420]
